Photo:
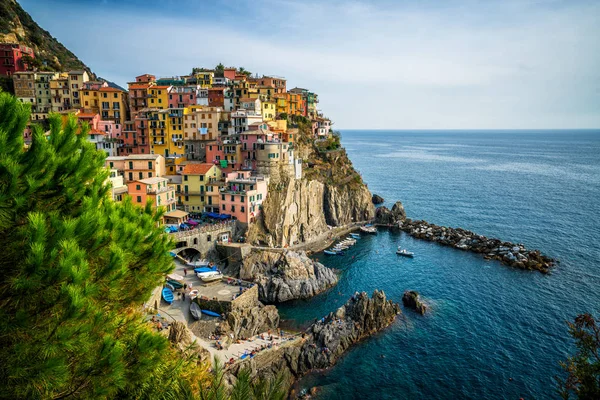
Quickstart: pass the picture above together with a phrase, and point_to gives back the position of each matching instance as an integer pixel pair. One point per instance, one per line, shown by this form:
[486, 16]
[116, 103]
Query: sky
[379, 64]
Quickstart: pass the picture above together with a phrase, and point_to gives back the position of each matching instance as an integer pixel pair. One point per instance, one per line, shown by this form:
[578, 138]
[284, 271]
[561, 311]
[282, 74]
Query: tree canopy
[76, 269]
[583, 369]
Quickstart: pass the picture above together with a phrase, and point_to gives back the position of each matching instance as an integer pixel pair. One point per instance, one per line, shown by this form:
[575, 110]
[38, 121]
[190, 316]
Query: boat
[333, 252]
[195, 311]
[205, 269]
[170, 286]
[175, 284]
[198, 263]
[167, 295]
[211, 313]
[193, 294]
[202, 275]
[369, 229]
[176, 278]
[404, 252]
[355, 235]
[212, 278]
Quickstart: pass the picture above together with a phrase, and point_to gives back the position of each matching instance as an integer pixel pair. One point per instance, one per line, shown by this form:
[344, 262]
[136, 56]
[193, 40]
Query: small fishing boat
[167, 295]
[212, 278]
[369, 229]
[333, 252]
[355, 235]
[198, 263]
[404, 252]
[211, 313]
[193, 294]
[175, 284]
[175, 277]
[205, 269]
[195, 311]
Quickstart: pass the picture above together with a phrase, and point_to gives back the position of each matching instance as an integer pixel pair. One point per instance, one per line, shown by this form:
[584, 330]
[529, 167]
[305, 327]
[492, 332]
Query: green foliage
[275, 388]
[582, 369]
[220, 70]
[76, 268]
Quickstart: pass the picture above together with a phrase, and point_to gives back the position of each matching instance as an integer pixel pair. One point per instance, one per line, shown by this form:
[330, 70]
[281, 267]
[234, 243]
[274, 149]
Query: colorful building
[277, 83]
[158, 96]
[243, 195]
[182, 96]
[268, 110]
[200, 126]
[216, 97]
[138, 166]
[155, 190]
[13, 58]
[197, 191]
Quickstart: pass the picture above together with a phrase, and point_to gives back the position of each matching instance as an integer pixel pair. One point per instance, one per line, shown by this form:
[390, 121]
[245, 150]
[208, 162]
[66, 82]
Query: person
[185, 271]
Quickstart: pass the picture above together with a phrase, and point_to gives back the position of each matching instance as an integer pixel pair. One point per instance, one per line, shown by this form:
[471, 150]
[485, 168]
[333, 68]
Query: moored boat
[205, 269]
[212, 278]
[355, 235]
[167, 295]
[198, 263]
[404, 252]
[211, 313]
[195, 311]
[369, 229]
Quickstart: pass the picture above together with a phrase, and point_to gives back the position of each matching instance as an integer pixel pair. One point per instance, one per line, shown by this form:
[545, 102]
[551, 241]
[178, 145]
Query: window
[185, 178]
[138, 187]
[201, 178]
[242, 199]
[223, 198]
[130, 164]
[187, 198]
[208, 238]
[149, 164]
[232, 208]
[139, 199]
[130, 174]
[202, 199]
[232, 198]
[149, 174]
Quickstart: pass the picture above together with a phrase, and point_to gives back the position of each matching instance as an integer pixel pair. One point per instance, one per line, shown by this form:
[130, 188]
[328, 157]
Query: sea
[493, 332]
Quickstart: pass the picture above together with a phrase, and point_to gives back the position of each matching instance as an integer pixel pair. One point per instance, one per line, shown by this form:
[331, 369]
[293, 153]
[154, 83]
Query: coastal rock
[182, 338]
[327, 339]
[286, 275]
[514, 255]
[251, 320]
[385, 216]
[411, 299]
[376, 199]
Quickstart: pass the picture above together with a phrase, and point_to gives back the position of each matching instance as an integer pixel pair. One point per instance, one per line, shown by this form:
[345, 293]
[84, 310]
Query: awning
[176, 214]
[223, 163]
[192, 222]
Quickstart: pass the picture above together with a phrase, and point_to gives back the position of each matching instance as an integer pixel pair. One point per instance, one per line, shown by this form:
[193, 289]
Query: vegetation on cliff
[76, 267]
[17, 26]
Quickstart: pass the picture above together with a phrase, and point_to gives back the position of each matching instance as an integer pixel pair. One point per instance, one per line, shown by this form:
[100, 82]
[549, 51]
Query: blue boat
[333, 253]
[355, 235]
[205, 269]
[211, 313]
[167, 295]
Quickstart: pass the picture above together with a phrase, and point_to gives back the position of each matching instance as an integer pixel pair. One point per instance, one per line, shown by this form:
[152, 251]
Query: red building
[11, 58]
[216, 97]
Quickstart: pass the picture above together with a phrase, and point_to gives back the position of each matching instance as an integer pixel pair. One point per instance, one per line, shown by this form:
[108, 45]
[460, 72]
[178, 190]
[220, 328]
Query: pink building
[258, 133]
[156, 190]
[243, 195]
[182, 96]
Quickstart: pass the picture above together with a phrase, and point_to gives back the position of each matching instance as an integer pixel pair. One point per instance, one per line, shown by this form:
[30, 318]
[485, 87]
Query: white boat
[198, 263]
[368, 229]
[202, 275]
[176, 278]
[404, 252]
[355, 235]
[212, 278]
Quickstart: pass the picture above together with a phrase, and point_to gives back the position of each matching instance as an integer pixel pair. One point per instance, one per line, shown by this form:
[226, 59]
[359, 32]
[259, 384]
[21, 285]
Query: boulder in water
[411, 299]
[377, 199]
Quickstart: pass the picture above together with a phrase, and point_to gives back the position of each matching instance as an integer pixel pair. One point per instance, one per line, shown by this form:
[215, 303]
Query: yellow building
[205, 79]
[268, 110]
[158, 96]
[166, 131]
[197, 191]
[281, 106]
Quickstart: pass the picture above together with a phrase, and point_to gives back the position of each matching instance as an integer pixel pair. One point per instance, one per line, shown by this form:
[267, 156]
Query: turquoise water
[489, 323]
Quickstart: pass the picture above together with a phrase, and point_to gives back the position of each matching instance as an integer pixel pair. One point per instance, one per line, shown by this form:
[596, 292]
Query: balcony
[161, 190]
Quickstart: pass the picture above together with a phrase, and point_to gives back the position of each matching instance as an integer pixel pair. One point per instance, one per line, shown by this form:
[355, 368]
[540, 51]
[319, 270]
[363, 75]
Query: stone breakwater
[514, 255]
[326, 340]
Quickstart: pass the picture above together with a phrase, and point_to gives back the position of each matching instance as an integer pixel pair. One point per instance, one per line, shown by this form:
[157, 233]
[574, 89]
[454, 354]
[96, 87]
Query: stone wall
[222, 307]
[204, 239]
[247, 299]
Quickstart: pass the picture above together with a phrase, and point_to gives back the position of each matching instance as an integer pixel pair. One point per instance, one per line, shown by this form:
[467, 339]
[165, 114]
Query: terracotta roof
[86, 115]
[139, 85]
[247, 100]
[197, 168]
[109, 89]
[161, 86]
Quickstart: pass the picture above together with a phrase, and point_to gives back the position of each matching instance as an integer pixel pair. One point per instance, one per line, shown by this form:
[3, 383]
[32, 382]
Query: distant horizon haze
[382, 64]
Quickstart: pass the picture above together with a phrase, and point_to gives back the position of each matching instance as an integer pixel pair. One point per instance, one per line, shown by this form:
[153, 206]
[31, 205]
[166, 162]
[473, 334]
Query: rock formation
[514, 255]
[326, 340]
[181, 337]
[249, 320]
[411, 299]
[286, 275]
[376, 199]
[392, 217]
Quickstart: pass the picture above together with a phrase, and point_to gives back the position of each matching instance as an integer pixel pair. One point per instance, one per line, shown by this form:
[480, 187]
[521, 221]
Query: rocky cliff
[252, 320]
[330, 193]
[286, 275]
[325, 341]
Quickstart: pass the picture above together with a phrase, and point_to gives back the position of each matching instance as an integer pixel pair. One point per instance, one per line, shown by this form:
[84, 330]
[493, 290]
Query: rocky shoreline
[326, 340]
[515, 255]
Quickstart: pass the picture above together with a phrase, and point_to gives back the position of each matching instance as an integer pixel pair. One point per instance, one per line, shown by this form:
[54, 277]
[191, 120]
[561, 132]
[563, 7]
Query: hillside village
[203, 144]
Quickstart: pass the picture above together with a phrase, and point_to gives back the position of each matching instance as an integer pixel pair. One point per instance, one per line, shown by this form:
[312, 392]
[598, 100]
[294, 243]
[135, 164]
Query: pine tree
[75, 268]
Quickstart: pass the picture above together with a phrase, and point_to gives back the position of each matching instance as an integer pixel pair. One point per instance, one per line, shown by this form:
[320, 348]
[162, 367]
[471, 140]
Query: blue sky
[384, 64]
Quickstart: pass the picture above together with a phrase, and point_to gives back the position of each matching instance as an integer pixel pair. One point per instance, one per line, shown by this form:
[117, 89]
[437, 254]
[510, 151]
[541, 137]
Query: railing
[203, 229]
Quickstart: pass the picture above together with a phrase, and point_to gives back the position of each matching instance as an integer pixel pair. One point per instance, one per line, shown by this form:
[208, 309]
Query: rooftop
[197, 168]
[152, 181]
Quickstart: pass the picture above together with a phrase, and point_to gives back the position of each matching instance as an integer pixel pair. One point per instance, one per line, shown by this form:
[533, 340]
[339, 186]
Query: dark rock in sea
[377, 199]
[411, 299]
[393, 217]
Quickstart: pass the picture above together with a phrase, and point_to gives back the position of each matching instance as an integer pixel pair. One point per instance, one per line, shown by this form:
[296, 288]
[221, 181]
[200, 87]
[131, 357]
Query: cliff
[326, 340]
[17, 26]
[288, 275]
[331, 192]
